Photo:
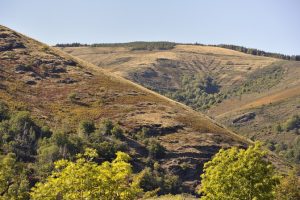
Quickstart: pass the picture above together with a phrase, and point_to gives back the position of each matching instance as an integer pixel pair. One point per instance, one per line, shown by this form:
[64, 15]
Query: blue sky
[271, 25]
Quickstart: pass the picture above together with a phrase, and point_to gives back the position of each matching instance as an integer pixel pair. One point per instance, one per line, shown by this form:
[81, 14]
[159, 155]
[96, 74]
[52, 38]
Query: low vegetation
[198, 91]
[134, 46]
[202, 92]
[292, 124]
[32, 153]
[170, 45]
[289, 187]
[257, 52]
[289, 151]
[231, 174]
[155, 181]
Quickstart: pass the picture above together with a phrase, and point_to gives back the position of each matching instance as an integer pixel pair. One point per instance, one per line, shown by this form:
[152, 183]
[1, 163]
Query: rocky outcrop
[67, 81]
[9, 42]
[244, 118]
[30, 82]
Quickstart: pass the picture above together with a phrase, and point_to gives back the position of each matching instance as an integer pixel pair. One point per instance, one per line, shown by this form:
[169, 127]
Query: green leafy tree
[155, 149]
[117, 132]
[13, 181]
[85, 179]
[86, 127]
[238, 174]
[47, 153]
[19, 135]
[106, 127]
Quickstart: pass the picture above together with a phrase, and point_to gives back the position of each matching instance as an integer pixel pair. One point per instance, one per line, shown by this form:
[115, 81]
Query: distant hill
[163, 45]
[61, 92]
[256, 96]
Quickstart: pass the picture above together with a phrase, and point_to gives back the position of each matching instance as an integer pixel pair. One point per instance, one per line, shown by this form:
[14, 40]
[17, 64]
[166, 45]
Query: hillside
[228, 85]
[61, 91]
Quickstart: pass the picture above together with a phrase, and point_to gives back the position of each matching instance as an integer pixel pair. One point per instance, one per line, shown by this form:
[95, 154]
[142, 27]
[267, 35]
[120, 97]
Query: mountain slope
[223, 83]
[60, 91]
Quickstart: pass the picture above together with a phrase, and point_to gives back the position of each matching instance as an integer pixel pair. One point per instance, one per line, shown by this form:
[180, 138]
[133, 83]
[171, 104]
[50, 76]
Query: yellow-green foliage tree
[85, 179]
[238, 174]
[13, 181]
[289, 188]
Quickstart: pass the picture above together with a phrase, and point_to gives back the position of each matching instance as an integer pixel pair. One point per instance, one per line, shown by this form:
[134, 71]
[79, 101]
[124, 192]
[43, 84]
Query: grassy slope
[189, 137]
[274, 99]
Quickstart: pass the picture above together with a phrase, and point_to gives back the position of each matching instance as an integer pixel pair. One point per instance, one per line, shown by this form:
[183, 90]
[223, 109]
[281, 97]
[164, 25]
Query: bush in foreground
[85, 179]
[239, 174]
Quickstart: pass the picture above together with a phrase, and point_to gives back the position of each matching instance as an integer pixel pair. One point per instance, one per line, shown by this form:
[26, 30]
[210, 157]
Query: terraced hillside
[227, 85]
[60, 91]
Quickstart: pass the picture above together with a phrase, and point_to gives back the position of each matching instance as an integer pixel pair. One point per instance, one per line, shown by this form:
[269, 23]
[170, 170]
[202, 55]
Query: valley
[222, 83]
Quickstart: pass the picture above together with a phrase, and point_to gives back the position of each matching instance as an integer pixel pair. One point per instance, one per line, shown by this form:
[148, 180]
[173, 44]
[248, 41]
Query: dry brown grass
[122, 61]
[103, 95]
[229, 68]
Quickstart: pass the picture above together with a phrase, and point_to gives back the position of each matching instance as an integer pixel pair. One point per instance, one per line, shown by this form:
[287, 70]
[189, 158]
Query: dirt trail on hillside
[272, 98]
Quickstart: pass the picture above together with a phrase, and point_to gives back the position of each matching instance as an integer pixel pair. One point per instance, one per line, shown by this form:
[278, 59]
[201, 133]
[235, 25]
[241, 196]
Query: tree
[3, 111]
[289, 188]
[13, 181]
[155, 149]
[106, 127]
[86, 127]
[238, 174]
[19, 135]
[85, 179]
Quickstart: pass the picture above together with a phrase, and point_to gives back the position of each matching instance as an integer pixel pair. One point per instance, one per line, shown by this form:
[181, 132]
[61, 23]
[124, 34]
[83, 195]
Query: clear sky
[271, 25]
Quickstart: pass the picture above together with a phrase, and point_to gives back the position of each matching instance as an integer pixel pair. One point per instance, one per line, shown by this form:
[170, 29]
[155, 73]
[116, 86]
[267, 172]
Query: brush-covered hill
[64, 95]
[257, 96]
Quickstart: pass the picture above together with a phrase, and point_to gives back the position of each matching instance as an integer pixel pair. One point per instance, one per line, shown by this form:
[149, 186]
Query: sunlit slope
[166, 67]
[224, 84]
[60, 90]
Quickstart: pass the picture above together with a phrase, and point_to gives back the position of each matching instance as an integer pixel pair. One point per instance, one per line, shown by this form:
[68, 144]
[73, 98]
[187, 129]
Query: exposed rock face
[149, 73]
[30, 82]
[67, 81]
[21, 69]
[9, 42]
[244, 118]
[159, 129]
[70, 62]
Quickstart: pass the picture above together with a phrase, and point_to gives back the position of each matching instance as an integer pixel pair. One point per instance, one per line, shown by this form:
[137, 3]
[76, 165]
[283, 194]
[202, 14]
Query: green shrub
[142, 134]
[278, 128]
[292, 123]
[289, 187]
[14, 183]
[106, 127]
[199, 91]
[86, 127]
[155, 149]
[47, 153]
[3, 111]
[46, 132]
[159, 181]
[117, 132]
[107, 149]
[293, 153]
[73, 97]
